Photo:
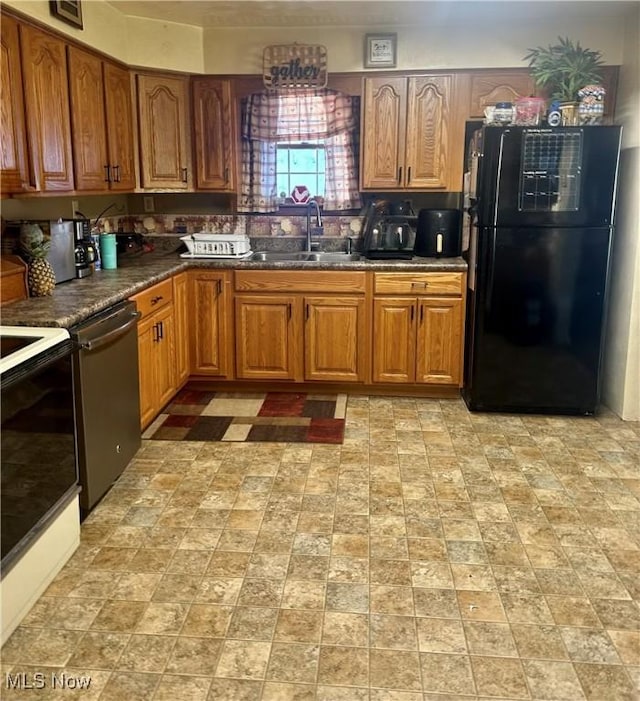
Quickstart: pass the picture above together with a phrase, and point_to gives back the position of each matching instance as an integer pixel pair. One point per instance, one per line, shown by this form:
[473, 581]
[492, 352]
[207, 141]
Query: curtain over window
[324, 115]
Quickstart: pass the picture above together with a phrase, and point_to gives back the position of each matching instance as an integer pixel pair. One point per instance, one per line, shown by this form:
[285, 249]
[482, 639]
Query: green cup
[108, 252]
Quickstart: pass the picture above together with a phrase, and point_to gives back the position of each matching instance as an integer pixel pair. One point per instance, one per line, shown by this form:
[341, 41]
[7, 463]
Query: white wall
[135, 41]
[105, 28]
[621, 386]
[169, 45]
[486, 43]
[459, 35]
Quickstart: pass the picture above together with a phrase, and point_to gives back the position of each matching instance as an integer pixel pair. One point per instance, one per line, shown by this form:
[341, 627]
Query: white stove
[21, 343]
[39, 497]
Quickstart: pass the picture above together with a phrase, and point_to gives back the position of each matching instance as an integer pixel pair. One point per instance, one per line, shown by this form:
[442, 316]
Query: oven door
[38, 442]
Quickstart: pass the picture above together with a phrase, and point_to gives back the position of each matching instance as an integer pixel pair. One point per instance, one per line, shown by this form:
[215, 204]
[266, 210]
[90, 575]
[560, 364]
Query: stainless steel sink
[306, 256]
[332, 257]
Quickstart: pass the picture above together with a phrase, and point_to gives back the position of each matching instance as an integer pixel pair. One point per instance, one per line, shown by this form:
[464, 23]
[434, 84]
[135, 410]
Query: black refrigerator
[539, 227]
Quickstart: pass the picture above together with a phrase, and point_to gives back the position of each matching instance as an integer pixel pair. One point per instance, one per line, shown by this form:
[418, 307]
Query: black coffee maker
[85, 250]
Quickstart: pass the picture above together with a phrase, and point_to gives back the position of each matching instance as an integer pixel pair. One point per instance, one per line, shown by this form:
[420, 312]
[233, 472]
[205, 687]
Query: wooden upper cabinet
[14, 166]
[214, 134]
[91, 166]
[488, 88]
[44, 68]
[383, 128]
[429, 127]
[164, 131]
[102, 119]
[409, 135]
[119, 114]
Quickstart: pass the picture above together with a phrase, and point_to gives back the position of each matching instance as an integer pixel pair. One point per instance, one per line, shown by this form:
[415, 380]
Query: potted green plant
[560, 70]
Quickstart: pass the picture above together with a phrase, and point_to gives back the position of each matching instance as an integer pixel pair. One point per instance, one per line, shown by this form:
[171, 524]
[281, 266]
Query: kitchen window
[300, 165]
[311, 134]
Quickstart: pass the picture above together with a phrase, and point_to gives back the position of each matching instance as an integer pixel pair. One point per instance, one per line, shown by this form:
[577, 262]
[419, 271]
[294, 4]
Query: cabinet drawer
[154, 298]
[418, 283]
[319, 281]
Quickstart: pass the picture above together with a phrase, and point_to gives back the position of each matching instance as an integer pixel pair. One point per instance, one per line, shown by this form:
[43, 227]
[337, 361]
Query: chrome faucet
[310, 206]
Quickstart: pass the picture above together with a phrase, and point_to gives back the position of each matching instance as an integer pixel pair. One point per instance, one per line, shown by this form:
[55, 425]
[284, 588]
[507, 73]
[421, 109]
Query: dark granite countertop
[76, 300]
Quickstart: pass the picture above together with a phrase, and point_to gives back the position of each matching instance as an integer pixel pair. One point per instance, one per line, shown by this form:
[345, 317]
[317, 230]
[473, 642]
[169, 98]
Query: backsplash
[253, 225]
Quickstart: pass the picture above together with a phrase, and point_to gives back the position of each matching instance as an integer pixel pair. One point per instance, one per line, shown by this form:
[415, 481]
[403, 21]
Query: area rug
[197, 414]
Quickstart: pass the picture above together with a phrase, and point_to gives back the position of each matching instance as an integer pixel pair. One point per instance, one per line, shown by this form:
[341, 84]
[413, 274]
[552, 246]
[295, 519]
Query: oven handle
[111, 335]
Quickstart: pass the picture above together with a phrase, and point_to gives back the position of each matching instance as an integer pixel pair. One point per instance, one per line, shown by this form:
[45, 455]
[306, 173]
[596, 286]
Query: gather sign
[294, 66]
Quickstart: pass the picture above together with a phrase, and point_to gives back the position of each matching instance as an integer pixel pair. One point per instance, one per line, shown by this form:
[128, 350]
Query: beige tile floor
[437, 554]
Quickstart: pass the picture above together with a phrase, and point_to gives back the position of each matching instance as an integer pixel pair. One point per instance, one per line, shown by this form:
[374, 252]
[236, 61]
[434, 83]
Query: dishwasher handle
[111, 335]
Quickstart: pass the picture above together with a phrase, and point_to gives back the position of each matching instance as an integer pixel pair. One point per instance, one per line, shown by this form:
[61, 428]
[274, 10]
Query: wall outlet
[75, 206]
[148, 204]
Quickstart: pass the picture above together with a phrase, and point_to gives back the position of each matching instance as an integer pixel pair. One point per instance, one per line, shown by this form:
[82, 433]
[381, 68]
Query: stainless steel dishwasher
[107, 398]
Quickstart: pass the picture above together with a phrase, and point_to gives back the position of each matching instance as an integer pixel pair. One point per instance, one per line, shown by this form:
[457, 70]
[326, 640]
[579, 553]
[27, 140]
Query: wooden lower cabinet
[157, 364]
[335, 339]
[156, 349]
[326, 327]
[181, 320]
[301, 326]
[210, 315]
[418, 338]
[294, 337]
[440, 341]
[394, 340]
[267, 337]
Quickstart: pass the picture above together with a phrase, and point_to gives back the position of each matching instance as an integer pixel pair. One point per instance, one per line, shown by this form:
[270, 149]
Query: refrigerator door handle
[497, 186]
[491, 267]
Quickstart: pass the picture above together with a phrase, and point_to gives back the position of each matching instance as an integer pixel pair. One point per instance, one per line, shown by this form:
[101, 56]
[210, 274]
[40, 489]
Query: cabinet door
[165, 377]
[383, 133]
[44, 69]
[119, 112]
[439, 351]
[164, 140]
[267, 333]
[181, 320]
[209, 323]
[500, 86]
[147, 332]
[429, 125]
[214, 134]
[91, 167]
[14, 167]
[394, 339]
[334, 338]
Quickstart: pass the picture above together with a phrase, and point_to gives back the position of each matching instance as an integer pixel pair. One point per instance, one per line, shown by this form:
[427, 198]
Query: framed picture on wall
[380, 50]
[68, 11]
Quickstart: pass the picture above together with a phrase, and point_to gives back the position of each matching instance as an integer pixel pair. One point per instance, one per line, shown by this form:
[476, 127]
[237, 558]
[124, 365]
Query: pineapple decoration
[34, 247]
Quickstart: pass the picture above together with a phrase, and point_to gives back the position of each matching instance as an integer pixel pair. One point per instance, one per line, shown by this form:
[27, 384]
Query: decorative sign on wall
[68, 11]
[380, 50]
[294, 66]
